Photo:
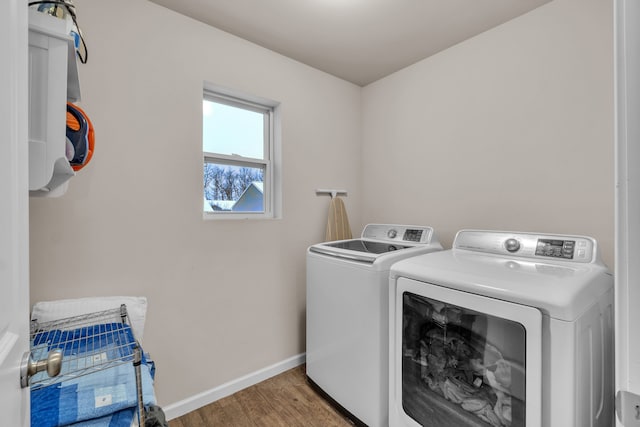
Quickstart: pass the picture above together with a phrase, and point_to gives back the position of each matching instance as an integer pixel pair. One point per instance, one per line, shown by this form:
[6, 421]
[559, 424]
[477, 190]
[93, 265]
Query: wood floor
[285, 400]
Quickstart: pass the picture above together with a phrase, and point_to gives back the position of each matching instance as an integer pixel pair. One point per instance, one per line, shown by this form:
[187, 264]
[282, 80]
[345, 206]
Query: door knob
[29, 367]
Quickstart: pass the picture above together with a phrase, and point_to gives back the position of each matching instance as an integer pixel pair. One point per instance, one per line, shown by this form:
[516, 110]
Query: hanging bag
[80, 137]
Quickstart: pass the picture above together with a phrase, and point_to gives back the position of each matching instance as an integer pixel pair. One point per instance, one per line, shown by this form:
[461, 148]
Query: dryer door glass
[461, 366]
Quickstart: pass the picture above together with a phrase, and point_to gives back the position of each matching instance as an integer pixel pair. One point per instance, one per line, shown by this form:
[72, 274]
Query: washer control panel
[528, 245]
[399, 233]
[556, 248]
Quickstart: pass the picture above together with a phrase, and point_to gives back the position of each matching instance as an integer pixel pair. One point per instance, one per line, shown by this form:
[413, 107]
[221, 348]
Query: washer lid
[371, 251]
[381, 242]
[562, 290]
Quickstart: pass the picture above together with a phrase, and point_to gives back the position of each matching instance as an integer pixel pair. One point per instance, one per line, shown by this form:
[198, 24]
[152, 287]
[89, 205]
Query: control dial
[512, 245]
[392, 233]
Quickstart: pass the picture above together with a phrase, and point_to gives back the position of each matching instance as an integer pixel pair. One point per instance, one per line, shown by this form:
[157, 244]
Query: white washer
[505, 330]
[348, 312]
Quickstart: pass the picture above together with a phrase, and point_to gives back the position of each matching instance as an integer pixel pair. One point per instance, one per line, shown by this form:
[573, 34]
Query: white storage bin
[53, 80]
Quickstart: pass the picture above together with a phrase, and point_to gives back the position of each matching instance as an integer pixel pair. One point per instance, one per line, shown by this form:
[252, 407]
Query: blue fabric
[119, 419]
[91, 396]
[97, 395]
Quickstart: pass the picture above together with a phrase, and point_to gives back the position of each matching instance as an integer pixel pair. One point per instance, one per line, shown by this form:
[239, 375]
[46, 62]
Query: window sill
[208, 216]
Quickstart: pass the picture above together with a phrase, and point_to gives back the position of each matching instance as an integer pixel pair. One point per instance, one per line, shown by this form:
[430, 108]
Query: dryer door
[463, 359]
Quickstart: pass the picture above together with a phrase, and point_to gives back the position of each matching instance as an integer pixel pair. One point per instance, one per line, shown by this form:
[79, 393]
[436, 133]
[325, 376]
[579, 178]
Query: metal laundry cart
[69, 348]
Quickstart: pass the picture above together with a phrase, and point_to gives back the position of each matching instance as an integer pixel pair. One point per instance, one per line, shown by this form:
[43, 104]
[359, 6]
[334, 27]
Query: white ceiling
[357, 40]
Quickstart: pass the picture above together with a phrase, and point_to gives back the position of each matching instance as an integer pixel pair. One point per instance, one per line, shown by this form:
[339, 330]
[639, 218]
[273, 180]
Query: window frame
[270, 161]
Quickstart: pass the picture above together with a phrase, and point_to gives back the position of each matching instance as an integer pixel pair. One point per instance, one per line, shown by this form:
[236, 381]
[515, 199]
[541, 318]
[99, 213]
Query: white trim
[627, 232]
[199, 400]
[234, 94]
[14, 215]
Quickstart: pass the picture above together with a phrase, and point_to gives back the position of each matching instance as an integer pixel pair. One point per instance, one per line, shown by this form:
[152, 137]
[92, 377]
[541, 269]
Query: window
[240, 149]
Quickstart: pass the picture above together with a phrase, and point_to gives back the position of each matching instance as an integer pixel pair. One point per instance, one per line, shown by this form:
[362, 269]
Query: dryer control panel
[528, 245]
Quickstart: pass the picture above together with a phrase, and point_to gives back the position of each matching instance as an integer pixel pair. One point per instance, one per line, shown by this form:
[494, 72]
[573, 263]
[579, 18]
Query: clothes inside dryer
[461, 367]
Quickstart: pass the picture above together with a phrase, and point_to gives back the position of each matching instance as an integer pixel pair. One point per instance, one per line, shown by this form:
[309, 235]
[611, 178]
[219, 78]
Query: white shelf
[53, 80]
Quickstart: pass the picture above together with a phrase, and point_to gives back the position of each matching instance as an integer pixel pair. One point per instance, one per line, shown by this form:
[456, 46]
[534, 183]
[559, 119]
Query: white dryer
[505, 330]
[348, 315]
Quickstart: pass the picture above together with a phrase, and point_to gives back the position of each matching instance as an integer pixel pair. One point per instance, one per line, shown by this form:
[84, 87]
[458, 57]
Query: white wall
[230, 294]
[512, 130]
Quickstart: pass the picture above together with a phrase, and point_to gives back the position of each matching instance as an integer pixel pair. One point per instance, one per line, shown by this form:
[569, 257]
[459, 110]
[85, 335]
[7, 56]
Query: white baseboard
[199, 400]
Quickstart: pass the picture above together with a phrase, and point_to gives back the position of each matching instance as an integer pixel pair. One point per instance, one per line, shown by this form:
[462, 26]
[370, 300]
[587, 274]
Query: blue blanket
[119, 419]
[100, 394]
